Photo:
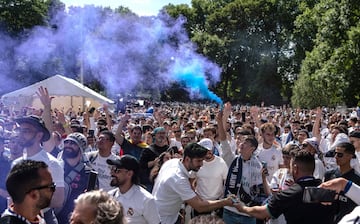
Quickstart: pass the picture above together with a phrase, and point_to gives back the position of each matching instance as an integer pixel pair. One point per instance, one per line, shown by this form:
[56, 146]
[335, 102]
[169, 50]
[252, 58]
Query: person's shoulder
[220, 160]
[353, 176]
[142, 191]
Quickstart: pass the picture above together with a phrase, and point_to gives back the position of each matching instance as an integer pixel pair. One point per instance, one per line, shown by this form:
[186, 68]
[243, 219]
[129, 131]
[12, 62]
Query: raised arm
[317, 124]
[45, 99]
[119, 137]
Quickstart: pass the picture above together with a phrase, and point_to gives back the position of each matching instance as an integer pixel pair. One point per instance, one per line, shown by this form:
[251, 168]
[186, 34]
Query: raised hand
[44, 96]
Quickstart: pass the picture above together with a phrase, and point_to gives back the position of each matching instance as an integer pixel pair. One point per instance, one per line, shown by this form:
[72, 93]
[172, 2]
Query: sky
[140, 7]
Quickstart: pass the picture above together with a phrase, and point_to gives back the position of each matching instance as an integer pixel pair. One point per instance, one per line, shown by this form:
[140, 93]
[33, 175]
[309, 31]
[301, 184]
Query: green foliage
[329, 73]
[19, 15]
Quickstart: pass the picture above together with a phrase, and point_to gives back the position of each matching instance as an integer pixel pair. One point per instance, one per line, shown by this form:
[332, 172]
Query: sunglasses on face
[52, 187]
[116, 169]
[339, 154]
[304, 145]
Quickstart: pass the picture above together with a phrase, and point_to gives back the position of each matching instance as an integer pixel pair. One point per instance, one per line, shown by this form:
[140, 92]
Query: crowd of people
[178, 163]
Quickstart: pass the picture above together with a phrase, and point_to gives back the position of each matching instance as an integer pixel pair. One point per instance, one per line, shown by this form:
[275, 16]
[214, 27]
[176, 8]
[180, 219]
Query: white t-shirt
[174, 142]
[279, 178]
[139, 205]
[172, 188]
[55, 168]
[210, 179]
[273, 158]
[319, 171]
[100, 165]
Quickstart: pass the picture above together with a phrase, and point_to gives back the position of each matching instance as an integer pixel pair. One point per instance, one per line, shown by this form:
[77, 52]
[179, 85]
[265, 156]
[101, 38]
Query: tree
[328, 73]
[244, 38]
[18, 16]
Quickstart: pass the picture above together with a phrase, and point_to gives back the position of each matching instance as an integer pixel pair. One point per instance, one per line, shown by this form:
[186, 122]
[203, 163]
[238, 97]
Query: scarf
[233, 179]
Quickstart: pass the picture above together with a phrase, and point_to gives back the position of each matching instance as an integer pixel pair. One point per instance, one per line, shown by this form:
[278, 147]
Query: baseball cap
[38, 123]
[313, 142]
[206, 143]
[126, 162]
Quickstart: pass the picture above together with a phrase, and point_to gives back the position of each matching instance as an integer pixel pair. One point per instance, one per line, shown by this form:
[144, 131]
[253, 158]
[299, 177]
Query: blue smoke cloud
[119, 50]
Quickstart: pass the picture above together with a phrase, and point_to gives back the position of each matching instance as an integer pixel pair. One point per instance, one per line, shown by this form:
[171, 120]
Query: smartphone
[317, 195]
[91, 133]
[92, 180]
[264, 164]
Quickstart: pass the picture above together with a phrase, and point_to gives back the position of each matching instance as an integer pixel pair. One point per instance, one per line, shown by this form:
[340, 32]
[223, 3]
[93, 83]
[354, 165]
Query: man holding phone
[290, 201]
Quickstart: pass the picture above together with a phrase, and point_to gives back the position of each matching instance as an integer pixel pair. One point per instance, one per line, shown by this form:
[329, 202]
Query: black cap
[38, 123]
[126, 161]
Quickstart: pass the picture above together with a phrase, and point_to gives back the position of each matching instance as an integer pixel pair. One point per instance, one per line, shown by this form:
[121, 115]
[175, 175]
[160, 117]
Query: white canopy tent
[67, 93]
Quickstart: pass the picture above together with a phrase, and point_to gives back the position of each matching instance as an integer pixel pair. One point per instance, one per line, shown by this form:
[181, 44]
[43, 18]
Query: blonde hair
[108, 210]
[208, 219]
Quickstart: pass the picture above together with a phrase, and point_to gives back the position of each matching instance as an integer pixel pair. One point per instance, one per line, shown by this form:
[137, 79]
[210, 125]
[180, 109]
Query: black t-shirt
[131, 149]
[346, 205]
[289, 202]
[147, 155]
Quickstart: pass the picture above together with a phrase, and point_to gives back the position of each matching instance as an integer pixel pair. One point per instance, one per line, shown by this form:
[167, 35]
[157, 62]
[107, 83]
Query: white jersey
[55, 168]
[172, 188]
[100, 165]
[272, 157]
[139, 205]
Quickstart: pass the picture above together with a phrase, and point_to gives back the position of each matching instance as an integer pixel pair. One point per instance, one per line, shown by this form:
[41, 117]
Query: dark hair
[22, 178]
[252, 140]
[305, 131]
[305, 161]
[349, 148]
[136, 127]
[194, 150]
[290, 149]
[109, 134]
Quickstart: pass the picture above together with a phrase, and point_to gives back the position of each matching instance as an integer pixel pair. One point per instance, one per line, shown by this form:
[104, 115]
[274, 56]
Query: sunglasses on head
[304, 145]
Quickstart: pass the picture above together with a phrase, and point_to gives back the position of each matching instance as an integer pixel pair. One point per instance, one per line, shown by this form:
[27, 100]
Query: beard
[70, 153]
[44, 202]
[27, 143]
[115, 182]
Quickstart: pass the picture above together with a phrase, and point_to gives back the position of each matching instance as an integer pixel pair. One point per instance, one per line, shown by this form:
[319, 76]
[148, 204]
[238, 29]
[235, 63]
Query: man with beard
[76, 173]
[139, 205]
[150, 156]
[172, 187]
[32, 133]
[31, 188]
[209, 180]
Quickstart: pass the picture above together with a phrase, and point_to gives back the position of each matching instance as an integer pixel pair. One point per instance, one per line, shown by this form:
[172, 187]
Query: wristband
[347, 186]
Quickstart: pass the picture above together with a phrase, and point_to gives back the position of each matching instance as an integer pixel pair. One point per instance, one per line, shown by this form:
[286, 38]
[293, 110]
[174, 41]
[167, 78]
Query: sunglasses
[52, 187]
[304, 145]
[177, 131]
[116, 169]
[339, 154]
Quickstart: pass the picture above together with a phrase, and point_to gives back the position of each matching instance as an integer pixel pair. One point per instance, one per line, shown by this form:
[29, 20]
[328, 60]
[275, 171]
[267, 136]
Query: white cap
[206, 143]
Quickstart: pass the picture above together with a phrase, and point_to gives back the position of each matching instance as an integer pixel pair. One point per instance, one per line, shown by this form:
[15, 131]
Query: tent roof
[59, 86]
